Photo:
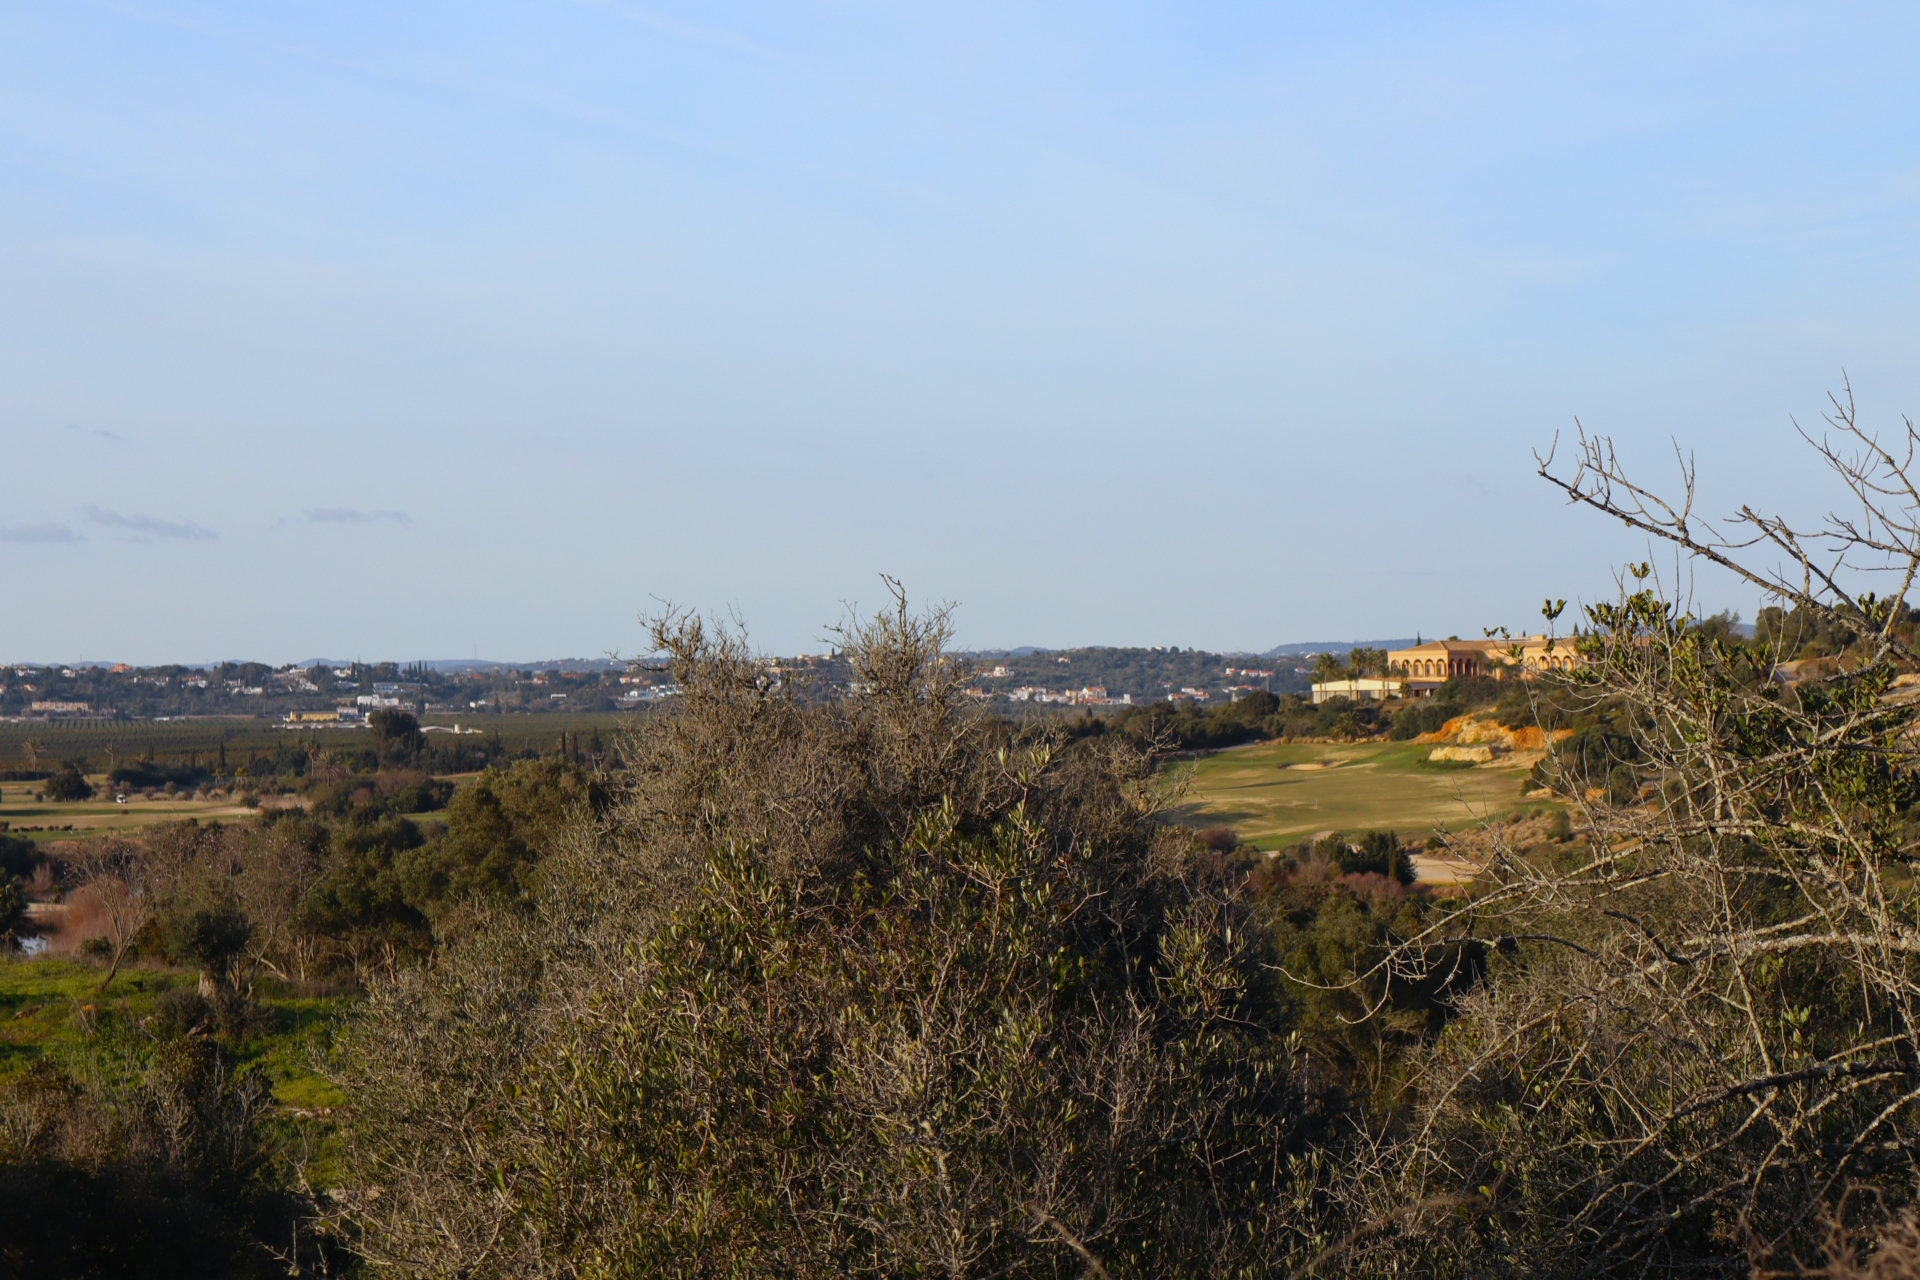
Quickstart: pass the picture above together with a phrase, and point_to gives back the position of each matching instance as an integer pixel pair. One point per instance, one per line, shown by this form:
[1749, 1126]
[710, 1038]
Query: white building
[1367, 687]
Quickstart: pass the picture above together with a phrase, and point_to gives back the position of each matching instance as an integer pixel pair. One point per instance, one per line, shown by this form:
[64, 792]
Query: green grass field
[53, 1007]
[1275, 794]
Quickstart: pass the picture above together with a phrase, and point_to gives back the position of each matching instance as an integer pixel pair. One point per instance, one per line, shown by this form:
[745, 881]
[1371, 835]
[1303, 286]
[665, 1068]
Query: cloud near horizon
[152, 526]
[347, 515]
[39, 533]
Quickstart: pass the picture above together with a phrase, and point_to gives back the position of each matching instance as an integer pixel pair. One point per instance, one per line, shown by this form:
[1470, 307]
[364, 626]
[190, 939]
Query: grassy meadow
[53, 1007]
[45, 820]
[1274, 793]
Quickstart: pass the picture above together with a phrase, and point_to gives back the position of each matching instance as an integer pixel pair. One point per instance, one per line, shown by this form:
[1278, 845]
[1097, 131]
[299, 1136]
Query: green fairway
[1274, 794]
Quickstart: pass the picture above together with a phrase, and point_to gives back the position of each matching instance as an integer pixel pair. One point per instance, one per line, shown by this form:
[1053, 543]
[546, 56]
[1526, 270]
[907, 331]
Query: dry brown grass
[81, 916]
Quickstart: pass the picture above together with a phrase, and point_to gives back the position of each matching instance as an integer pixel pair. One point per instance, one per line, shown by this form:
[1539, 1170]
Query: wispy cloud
[151, 526]
[347, 515]
[39, 533]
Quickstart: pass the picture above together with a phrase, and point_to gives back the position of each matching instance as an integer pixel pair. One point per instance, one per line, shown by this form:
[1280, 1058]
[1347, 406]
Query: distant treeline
[225, 748]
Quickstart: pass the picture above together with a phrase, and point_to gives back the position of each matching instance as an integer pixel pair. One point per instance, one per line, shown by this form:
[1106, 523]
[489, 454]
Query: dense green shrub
[149, 774]
[417, 794]
[19, 857]
[1598, 755]
[179, 1012]
[1545, 701]
[13, 912]
[206, 930]
[359, 901]
[1375, 853]
[68, 783]
[1423, 716]
[499, 828]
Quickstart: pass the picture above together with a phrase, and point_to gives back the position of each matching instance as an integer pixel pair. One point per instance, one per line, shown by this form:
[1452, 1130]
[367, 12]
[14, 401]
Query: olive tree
[865, 988]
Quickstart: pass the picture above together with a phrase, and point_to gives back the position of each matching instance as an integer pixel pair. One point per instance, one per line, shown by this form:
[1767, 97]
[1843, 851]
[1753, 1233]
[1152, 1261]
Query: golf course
[1278, 793]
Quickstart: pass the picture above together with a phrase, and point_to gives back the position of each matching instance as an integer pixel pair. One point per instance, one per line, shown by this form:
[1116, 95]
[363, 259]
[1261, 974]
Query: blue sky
[420, 331]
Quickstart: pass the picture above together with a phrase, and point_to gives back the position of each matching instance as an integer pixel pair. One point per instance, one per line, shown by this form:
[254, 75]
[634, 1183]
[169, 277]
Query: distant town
[322, 692]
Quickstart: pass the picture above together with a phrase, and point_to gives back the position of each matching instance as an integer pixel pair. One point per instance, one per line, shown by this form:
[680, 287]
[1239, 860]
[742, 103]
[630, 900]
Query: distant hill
[1337, 646]
[459, 666]
[1145, 675]
[1278, 651]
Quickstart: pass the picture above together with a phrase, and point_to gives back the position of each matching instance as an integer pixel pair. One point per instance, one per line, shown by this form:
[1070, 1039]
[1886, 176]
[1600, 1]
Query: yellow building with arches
[1425, 667]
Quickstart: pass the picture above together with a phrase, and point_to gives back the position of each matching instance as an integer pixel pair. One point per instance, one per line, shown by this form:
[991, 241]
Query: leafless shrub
[124, 881]
[1218, 839]
[1699, 1029]
[81, 917]
[1371, 886]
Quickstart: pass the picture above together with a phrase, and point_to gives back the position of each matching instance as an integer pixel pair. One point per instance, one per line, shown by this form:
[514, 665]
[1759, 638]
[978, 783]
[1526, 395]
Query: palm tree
[1368, 662]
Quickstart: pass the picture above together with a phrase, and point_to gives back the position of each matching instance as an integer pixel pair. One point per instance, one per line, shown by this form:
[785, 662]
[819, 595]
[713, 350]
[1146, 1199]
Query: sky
[424, 331]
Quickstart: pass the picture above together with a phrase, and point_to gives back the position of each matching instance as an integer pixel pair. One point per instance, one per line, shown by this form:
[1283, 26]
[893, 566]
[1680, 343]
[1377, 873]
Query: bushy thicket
[1456, 697]
[169, 1172]
[68, 782]
[144, 1150]
[863, 989]
[356, 885]
[1166, 726]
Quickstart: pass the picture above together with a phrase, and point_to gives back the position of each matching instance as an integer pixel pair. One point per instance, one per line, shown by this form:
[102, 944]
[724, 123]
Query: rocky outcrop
[1478, 754]
[1474, 730]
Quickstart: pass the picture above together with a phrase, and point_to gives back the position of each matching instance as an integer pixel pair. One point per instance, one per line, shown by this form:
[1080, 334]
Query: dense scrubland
[885, 985]
[162, 1057]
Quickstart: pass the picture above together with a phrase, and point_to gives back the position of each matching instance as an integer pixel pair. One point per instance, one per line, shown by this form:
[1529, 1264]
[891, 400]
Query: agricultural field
[222, 748]
[25, 745]
[537, 733]
[44, 820]
[1274, 794]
